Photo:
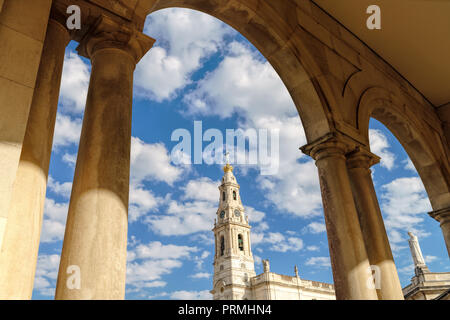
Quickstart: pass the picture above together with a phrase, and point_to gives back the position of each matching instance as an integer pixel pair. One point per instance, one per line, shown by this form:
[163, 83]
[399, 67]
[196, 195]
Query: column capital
[442, 215]
[107, 33]
[331, 144]
[361, 158]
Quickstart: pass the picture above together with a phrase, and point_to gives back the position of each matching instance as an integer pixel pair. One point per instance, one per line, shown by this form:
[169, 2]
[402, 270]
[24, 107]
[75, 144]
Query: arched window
[234, 195]
[240, 242]
[222, 245]
[223, 196]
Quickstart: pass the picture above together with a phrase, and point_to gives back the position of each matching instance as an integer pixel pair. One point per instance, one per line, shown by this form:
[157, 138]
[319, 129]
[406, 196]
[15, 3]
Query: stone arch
[276, 36]
[422, 142]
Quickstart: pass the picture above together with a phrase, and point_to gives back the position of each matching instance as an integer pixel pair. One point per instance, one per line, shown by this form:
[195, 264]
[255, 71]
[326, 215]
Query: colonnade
[96, 230]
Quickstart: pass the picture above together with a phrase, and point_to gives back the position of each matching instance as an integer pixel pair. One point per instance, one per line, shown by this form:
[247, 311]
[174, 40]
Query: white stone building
[425, 285]
[234, 268]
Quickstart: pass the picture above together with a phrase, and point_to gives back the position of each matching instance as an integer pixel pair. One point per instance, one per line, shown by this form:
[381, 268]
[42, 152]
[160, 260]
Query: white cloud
[409, 165]
[191, 295]
[316, 227]
[379, 145]
[156, 250]
[185, 38]
[202, 189]
[54, 223]
[67, 131]
[323, 262]
[74, 83]
[431, 259]
[201, 275]
[151, 162]
[147, 264]
[312, 248]
[404, 203]
[63, 189]
[277, 241]
[142, 201]
[70, 159]
[46, 274]
[184, 218]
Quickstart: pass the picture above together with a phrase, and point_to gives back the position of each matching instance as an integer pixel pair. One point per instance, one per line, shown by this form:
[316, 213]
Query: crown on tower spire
[228, 167]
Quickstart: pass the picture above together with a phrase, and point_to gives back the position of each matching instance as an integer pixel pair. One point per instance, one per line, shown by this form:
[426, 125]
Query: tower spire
[233, 259]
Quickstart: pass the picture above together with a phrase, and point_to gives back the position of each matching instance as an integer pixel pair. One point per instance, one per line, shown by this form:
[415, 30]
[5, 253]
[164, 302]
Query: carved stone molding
[107, 33]
[361, 158]
[442, 215]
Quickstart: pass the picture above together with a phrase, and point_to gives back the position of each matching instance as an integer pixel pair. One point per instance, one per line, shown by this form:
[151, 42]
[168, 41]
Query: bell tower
[233, 259]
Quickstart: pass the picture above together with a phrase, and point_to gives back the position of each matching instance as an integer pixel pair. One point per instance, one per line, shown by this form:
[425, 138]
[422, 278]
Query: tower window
[240, 242]
[234, 195]
[223, 196]
[222, 245]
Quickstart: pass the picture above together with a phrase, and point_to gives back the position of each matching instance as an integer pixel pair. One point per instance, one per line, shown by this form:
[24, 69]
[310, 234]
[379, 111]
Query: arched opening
[185, 215]
[222, 245]
[240, 242]
[404, 203]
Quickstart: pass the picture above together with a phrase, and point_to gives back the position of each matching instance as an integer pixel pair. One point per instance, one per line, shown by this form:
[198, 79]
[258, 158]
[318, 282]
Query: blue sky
[202, 70]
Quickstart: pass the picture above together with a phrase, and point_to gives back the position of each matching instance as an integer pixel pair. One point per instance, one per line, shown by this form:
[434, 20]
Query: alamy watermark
[258, 148]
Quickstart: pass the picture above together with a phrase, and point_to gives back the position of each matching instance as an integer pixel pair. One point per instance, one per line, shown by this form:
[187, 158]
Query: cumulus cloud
[379, 145]
[188, 37]
[54, 223]
[316, 227]
[323, 262]
[141, 202]
[148, 263]
[46, 274]
[74, 83]
[63, 189]
[201, 275]
[152, 162]
[404, 203]
[67, 131]
[276, 241]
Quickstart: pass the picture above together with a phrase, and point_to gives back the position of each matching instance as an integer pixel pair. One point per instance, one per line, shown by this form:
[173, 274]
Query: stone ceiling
[414, 39]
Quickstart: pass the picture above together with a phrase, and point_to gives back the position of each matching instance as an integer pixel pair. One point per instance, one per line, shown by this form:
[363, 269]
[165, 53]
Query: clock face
[222, 214]
[237, 213]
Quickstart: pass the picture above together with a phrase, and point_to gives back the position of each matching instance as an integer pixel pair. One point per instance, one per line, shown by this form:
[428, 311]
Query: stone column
[21, 40]
[443, 216]
[93, 259]
[18, 256]
[349, 260]
[372, 225]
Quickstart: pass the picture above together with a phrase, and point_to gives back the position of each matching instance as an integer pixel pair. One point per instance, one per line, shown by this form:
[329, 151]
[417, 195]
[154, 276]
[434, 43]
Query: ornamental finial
[228, 167]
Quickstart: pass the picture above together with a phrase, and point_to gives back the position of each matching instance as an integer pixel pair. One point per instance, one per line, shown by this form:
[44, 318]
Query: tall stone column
[443, 216]
[93, 259]
[372, 225]
[19, 251]
[23, 26]
[349, 260]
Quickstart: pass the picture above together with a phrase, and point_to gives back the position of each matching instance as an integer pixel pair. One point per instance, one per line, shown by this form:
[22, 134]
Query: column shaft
[95, 240]
[19, 252]
[372, 227]
[21, 41]
[351, 269]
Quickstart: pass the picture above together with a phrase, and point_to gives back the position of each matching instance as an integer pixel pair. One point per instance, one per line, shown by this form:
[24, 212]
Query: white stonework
[425, 285]
[234, 268]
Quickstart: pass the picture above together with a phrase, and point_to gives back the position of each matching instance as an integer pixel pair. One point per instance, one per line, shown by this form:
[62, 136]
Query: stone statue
[266, 265]
[416, 253]
[296, 271]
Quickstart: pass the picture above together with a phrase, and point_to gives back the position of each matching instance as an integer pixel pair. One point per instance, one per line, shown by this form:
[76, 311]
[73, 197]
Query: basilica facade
[234, 268]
